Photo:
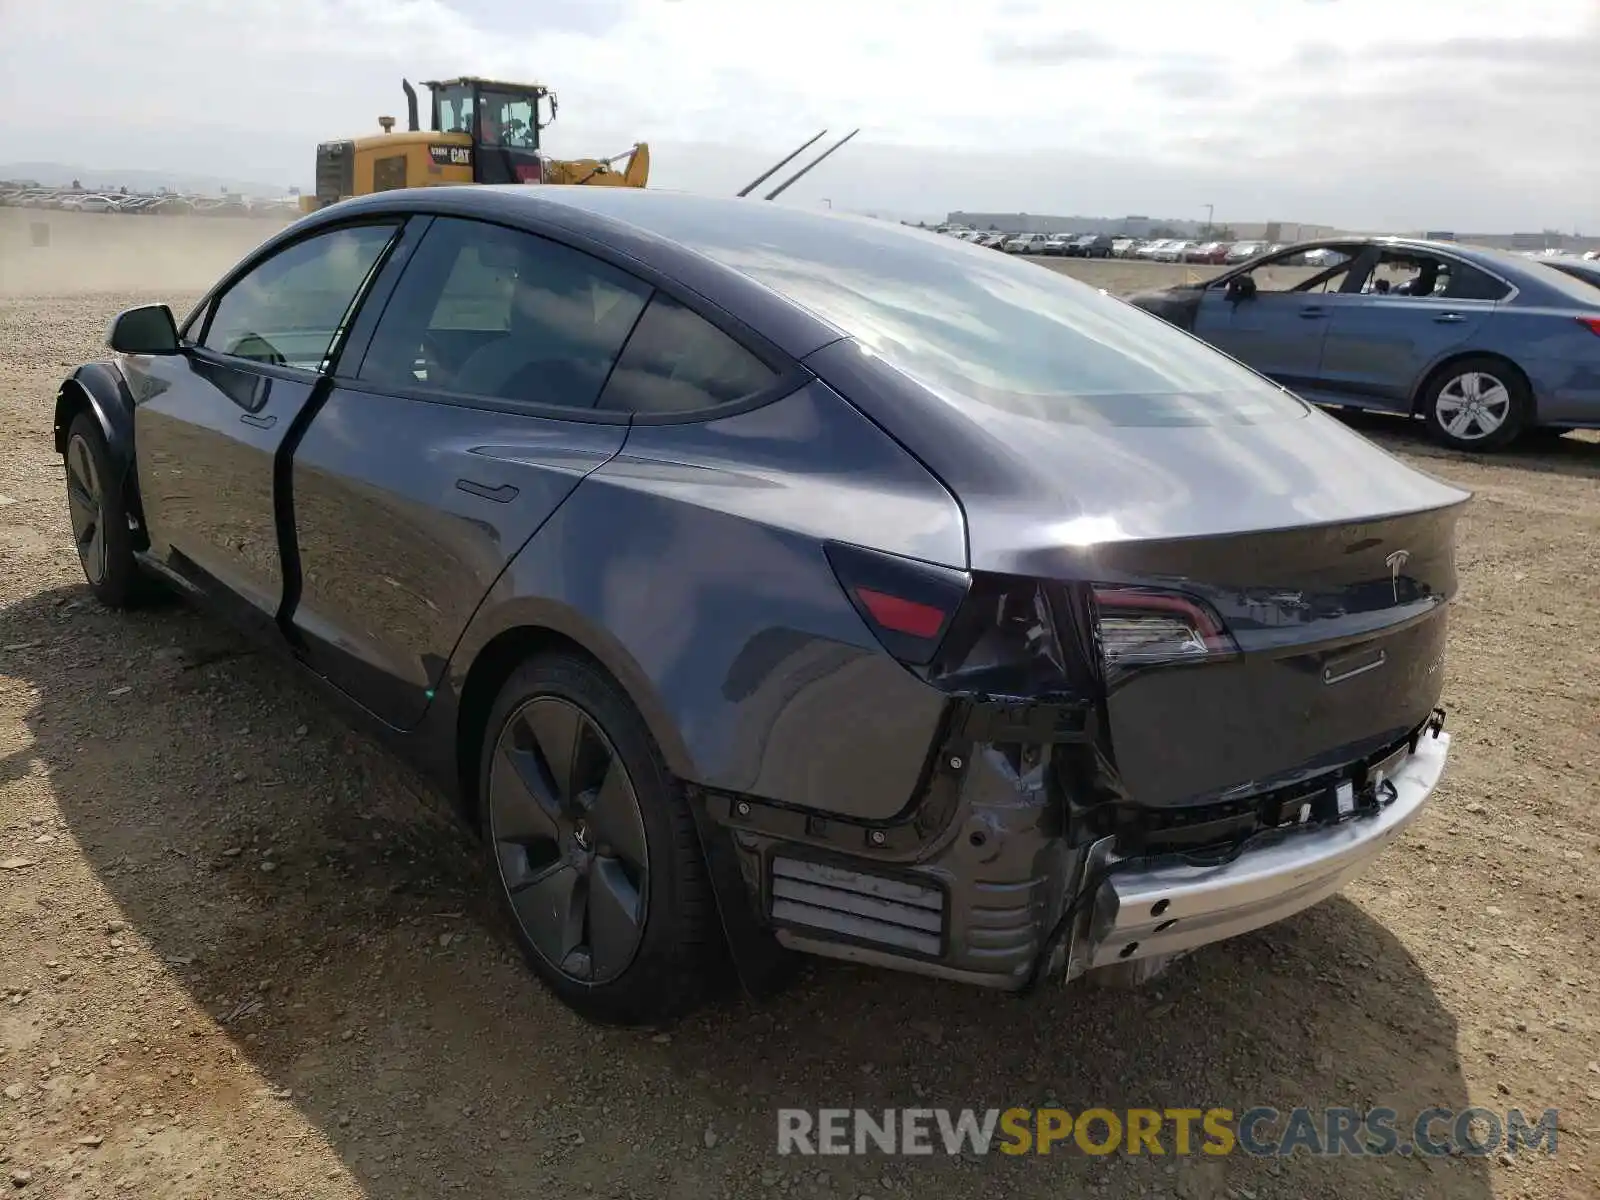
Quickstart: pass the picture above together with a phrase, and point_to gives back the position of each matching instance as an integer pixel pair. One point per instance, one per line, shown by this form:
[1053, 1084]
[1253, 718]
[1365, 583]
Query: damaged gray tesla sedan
[765, 581]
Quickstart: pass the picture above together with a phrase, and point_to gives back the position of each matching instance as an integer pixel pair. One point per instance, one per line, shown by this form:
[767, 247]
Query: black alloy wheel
[84, 504]
[98, 515]
[596, 856]
[569, 838]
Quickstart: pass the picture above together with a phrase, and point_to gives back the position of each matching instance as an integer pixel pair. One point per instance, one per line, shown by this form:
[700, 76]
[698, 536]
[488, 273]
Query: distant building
[1011, 222]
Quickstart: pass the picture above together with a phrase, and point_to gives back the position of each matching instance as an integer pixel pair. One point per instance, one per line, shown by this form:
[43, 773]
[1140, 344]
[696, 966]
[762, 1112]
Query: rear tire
[99, 518]
[593, 851]
[1477, 403]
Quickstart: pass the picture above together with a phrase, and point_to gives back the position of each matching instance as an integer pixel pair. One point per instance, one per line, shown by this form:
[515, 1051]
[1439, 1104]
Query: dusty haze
[120, 252]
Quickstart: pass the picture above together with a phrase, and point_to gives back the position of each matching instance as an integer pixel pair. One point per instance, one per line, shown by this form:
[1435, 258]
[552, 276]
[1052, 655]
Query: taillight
[907, 604]
[1145, 626]
[1592, 322]
[1000, 635]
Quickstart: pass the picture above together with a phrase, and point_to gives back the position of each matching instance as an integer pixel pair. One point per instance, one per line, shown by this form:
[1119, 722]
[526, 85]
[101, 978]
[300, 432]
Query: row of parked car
[1105, 245]
[164, 204]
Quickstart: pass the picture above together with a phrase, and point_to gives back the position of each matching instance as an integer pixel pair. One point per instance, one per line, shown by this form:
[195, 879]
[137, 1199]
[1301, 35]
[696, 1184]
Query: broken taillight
[1146, 627]
[1004, 635]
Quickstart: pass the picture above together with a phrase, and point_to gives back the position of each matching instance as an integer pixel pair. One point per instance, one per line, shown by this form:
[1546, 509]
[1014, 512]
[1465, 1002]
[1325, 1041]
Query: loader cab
[502, 120]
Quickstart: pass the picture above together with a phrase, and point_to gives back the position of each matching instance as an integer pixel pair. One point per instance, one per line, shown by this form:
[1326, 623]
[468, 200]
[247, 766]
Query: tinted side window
[1469, 283]
[289, 309]
[487, 311]
[678, 362]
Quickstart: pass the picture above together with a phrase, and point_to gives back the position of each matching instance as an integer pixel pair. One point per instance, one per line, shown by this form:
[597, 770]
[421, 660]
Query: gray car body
[686, 555]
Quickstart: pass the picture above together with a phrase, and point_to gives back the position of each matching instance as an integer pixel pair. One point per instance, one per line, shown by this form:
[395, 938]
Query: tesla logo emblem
[1396, 561]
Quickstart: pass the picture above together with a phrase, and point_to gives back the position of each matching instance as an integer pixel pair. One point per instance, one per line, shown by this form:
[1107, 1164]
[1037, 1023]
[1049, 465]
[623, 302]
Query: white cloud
[1363, 112]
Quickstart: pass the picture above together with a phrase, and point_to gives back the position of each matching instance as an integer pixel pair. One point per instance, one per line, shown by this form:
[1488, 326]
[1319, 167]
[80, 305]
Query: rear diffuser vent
[894, 913]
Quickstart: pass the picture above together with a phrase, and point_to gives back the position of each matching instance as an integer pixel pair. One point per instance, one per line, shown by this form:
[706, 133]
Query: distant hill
[135, 179]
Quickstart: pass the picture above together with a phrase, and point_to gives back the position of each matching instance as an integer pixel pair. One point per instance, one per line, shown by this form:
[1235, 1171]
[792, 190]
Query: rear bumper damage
[1147, 907]
[988, 881]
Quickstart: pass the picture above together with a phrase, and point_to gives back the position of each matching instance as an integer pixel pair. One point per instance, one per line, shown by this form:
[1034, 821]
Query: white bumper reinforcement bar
[1169, 907]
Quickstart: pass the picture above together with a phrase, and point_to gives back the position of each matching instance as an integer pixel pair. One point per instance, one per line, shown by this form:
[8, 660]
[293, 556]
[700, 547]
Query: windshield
[977, 328]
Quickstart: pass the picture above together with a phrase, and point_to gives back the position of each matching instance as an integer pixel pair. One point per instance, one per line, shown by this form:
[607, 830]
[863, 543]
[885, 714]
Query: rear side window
[1469, 283]
[287, 311]
[498, 313]
[677, 361]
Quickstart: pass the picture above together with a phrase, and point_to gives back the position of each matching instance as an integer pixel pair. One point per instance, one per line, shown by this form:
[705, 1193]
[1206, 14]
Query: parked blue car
[1482, 345]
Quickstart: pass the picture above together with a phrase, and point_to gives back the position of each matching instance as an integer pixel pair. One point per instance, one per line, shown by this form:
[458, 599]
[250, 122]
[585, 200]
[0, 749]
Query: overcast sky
[1479, 115]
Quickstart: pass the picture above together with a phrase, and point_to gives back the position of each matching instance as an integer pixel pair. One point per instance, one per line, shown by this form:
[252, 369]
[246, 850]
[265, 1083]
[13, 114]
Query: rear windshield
[980, 328]
[1579, 287]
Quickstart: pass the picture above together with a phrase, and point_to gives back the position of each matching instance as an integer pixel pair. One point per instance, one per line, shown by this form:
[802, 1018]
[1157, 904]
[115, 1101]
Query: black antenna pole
[785, 184]
[782, 162]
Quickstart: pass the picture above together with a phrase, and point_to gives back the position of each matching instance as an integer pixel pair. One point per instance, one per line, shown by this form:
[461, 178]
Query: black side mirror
[148, 329]
[1240, 287]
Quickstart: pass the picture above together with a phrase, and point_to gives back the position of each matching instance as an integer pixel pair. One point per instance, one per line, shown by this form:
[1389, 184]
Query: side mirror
[1240, 287]
[148, 329]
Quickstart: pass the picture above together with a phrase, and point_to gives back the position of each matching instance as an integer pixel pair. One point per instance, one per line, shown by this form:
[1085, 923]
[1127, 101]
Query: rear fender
[1450, 358]
[99, 388]
[451, 736]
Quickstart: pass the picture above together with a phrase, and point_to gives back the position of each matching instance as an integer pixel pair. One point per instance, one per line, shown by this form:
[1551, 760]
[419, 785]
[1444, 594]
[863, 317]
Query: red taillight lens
[1592, 322]
[1142, 626]
[899, 615]
[907, 604]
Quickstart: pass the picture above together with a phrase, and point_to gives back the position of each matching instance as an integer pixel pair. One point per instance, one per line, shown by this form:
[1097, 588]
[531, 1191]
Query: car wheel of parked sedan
[594, 849]
[1476, 404]
[100, 518]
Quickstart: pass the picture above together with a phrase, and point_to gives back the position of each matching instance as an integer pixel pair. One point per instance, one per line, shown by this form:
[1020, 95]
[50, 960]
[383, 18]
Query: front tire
[99, 517]
[1478, 403]
[593, 849]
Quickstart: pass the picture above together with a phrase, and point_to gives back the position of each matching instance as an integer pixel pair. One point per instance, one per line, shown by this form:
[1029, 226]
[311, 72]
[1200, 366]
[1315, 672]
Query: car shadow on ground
[366, 973]
[1574, 454]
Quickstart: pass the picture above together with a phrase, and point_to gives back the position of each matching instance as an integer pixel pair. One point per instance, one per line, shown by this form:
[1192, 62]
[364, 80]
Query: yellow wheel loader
[479, 131]
[484, 131]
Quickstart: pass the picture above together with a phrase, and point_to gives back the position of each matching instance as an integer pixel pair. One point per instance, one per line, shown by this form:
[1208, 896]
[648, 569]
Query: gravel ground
[244, 952]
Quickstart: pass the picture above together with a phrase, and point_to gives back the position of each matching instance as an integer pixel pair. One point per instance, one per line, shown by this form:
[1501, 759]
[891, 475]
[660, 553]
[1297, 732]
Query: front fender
[100, 388]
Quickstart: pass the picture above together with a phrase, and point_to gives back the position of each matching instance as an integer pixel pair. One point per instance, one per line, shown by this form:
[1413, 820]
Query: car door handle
[266, 422]
[1449, 318]
[1312, 313]
[503, 494]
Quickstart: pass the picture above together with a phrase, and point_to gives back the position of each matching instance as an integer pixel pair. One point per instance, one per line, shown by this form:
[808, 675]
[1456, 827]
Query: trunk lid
[1341, 635]
[1329, 561]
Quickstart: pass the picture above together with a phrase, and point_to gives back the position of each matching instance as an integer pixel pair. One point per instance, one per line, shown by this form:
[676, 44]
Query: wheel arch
[1456, 357]
[99, 389]
[492, 659]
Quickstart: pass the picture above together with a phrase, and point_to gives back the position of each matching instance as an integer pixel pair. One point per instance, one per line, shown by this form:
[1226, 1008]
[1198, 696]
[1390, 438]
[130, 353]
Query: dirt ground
[243, 952]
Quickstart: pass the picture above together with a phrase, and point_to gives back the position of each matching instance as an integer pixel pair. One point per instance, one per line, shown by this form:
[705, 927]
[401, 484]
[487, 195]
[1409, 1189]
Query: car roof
[644, 230]
[1495, 260]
